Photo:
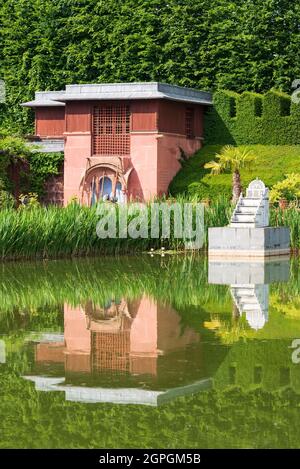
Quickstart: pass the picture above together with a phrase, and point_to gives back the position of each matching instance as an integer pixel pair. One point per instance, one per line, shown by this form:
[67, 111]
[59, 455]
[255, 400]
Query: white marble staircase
[246, 212]
[253, 301]
[252, 211]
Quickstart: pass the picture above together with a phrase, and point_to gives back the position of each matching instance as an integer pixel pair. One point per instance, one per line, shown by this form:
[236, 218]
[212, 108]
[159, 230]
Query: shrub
[36, 167]
[42, 166]
[28, 201]
[288, 189]
[7, 201]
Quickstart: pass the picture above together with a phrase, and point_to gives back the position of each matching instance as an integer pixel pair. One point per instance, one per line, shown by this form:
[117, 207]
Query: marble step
[243, 218]
[246, 209]
[248, 202]
[243, 307]
[243, 293]
[245, 298]
[242, 225]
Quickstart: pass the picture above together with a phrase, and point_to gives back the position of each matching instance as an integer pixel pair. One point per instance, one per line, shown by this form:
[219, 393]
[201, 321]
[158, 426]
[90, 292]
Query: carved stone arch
[98, 168]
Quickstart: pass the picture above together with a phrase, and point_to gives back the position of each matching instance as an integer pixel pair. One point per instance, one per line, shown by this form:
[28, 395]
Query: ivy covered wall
[240, 45]
[251, 118]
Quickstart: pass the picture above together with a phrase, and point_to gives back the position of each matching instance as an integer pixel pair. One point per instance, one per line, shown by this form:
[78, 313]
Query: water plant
[54, 232]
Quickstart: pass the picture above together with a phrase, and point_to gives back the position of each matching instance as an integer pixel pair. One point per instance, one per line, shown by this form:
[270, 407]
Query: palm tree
[232, 159]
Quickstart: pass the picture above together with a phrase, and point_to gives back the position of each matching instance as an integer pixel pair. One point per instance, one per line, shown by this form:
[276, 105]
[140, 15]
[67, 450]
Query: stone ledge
[248, 242]
[258, 271]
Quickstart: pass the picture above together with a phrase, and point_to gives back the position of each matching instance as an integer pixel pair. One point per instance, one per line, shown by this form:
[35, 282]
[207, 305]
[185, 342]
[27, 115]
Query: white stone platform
[243, 242]
[117, 395]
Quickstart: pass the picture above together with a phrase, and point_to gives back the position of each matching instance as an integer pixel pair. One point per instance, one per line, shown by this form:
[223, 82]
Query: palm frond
[214, 166]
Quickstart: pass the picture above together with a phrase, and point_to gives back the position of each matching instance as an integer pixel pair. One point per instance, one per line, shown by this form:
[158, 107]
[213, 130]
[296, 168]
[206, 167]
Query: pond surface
[150, 352]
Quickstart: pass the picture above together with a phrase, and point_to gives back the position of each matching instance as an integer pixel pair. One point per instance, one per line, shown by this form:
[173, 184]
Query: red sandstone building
[120, 140]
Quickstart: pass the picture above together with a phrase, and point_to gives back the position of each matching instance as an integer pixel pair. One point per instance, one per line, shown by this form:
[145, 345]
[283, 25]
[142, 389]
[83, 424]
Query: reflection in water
[254, 301]
[249, 285]
[121, 340]
[143, 331]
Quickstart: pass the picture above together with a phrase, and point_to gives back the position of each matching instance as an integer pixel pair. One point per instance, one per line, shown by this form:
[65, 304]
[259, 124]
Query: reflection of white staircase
[252, 300]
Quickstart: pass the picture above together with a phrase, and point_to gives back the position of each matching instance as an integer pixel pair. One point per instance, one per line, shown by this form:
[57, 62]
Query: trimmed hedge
[251, 118]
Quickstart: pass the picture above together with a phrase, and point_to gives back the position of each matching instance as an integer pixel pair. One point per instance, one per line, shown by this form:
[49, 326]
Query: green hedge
[251, 118]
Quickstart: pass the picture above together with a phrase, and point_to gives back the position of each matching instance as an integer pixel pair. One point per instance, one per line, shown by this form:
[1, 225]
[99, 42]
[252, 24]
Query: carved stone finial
[257, 189]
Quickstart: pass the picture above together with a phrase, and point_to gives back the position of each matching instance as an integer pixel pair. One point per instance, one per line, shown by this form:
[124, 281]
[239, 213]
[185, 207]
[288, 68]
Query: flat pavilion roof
[117, 395]
[119, 91]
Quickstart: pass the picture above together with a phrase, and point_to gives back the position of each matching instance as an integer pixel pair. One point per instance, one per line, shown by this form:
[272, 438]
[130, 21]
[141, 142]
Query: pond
[150, 352]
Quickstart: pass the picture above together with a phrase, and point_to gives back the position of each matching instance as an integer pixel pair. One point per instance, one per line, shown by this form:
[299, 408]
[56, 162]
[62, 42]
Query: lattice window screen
[189, 123]
[110, 351]
[111, 130]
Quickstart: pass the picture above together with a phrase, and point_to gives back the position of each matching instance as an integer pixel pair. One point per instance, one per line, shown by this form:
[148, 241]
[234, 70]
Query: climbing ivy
[42, 166]
[36, 166]
[234, 44]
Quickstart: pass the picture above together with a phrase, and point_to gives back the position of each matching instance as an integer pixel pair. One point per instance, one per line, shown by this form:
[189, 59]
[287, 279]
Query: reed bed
[288, 217]
[54, 232]
[176, 280]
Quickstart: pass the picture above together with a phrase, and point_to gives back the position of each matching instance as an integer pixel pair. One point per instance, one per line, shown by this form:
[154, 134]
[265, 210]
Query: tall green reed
[54, 232]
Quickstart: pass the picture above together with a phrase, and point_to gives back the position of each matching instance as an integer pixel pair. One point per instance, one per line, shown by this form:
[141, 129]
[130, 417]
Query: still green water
[150, 352]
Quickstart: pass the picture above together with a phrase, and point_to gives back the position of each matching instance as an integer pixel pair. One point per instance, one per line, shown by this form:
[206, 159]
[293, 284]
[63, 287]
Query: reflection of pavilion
[120, 336]
[106, 351]
[249, 284]
[117, 395]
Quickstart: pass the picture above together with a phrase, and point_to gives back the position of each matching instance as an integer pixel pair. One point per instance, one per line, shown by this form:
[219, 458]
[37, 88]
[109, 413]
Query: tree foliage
[232, 159]
[235, 44]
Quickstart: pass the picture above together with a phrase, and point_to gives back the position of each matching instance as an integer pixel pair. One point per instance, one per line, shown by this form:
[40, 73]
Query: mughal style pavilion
[120, 141]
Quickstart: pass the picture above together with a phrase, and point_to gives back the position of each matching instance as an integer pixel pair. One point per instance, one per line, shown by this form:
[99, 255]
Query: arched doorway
[100, 188]
[103, 184]
[105, 187]
[120, 196]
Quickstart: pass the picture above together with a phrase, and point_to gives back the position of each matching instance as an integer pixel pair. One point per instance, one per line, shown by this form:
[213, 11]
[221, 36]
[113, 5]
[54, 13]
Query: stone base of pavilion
[248, 242]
